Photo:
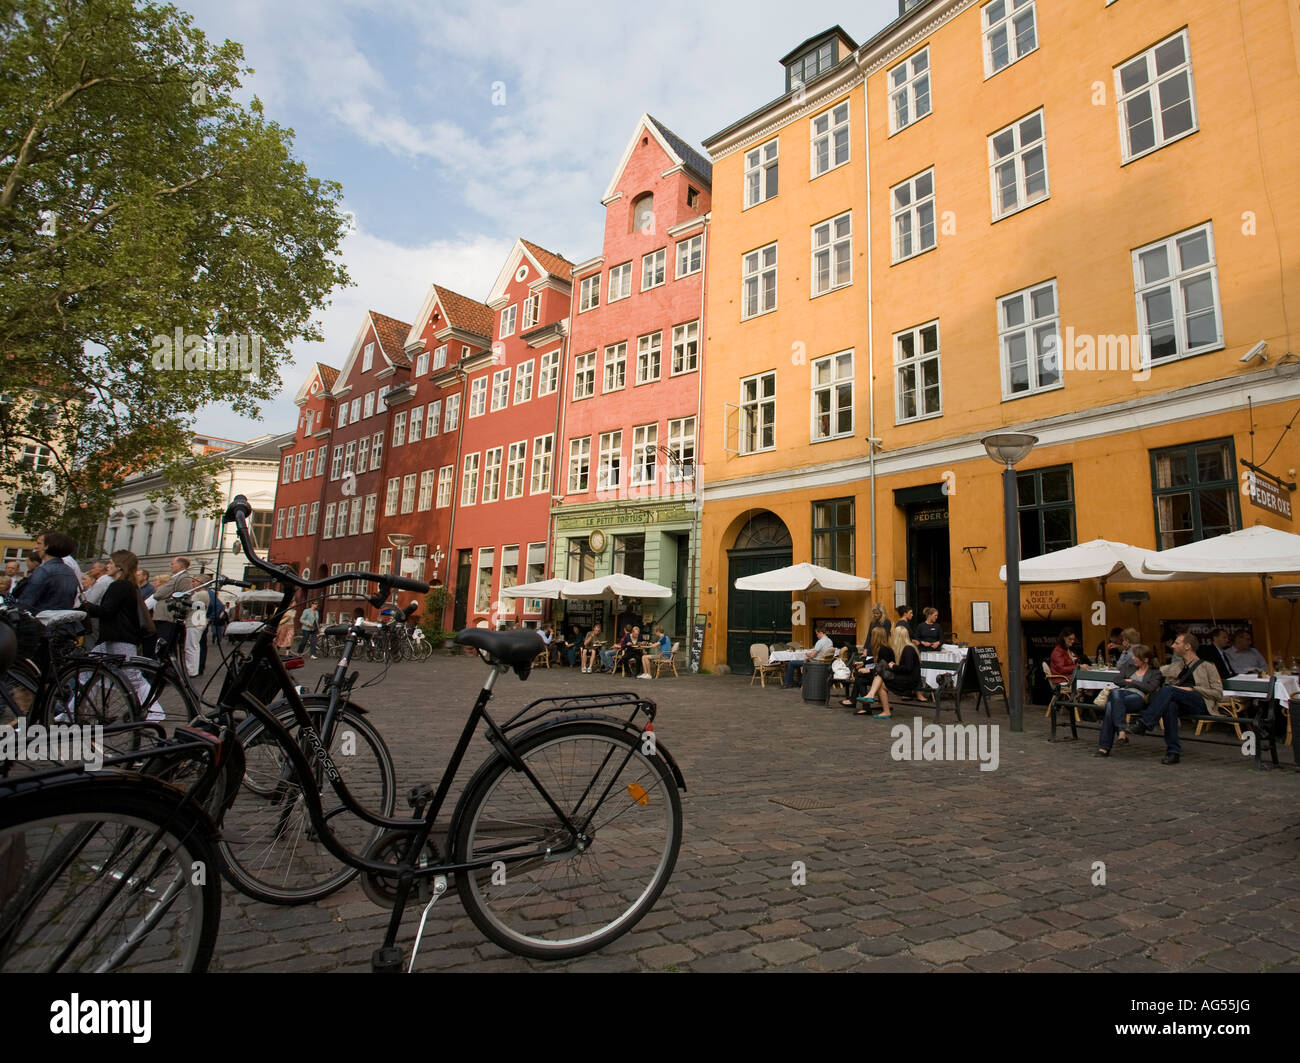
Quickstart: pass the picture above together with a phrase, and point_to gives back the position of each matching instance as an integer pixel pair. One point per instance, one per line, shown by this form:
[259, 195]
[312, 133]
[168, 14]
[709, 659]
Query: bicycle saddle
[513, 648]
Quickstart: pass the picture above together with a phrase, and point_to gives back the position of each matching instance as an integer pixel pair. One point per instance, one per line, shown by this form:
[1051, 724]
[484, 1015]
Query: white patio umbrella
[616, 585]
[803, 577]
[1258, 551]
[547, 588]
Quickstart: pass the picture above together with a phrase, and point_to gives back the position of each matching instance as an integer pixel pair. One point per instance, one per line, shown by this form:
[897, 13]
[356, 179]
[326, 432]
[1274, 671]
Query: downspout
[871, 357]
[698, 507]
[462, 413]
[558, 449]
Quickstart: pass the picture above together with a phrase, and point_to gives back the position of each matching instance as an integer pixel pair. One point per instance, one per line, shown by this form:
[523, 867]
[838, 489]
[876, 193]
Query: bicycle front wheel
[106, 874]
[580, 893]
[271, 849]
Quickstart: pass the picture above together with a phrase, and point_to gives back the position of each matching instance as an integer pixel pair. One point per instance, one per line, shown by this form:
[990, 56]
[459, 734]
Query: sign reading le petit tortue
[646, 515]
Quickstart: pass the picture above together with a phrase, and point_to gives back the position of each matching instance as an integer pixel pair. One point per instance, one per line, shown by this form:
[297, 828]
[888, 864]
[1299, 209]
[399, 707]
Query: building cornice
[460, 335]
[879, 53]
[681, 228]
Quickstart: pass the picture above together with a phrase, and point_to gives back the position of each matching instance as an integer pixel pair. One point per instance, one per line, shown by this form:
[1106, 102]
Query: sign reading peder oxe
[1267, 495]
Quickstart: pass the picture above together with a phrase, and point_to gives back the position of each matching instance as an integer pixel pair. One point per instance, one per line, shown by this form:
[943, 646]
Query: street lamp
[400, 540]
[1008, 449]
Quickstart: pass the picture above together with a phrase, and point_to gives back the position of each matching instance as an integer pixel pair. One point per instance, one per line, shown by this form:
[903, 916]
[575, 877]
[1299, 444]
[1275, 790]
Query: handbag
[148, 629]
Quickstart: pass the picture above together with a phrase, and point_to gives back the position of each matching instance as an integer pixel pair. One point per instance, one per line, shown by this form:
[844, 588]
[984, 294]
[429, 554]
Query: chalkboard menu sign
[988, 673]
[697, 640]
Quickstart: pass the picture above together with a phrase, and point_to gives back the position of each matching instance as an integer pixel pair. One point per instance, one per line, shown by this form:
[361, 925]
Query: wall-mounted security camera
[1256, 351]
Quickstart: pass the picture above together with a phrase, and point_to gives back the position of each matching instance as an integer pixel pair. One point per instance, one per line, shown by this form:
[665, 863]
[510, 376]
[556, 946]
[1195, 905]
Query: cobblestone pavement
[910, 865]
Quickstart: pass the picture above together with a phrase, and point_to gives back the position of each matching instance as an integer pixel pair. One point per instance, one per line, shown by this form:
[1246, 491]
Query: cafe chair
[667, 663]
[759, 654]
[543, 659]
[1060, 686]
[1231, 709]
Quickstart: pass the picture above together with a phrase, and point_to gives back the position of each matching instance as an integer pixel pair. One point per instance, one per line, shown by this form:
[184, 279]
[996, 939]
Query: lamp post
[400, 540]
[1008, 449]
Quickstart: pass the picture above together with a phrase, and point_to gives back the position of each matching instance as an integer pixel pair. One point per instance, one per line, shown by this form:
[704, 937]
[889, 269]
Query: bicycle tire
[65, 850]
[269, 848]
[88, 692]
[555, 908]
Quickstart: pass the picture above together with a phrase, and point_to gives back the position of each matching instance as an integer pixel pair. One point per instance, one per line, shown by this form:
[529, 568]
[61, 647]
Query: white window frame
[543, 453]
[589, 293]
[393, 496]
[422, 364]
[368, 520]
[415, 427]
[681, 441]
[532, 310]
[688, 251]
[910, 88]
[509, 315]
[440, 357]
[369, 408]
[759, 183]
[910, 214]
[469, 480]
[367, 359]
[1176, 280]
[354, 518]
[302, 519]
[376, 451]
[320, 461]
[516, 462]
[620, 282]
[580, 465]
[297, 467]
[1031, 330]
[649, 350]
[833, 391]
[524, 382]
[433, 418]
[1151, 89]
[615, 364]
[501, 389]
[287, 473]
[355, 414]
[451, 413]
[446, 482]
[645, 455]
[492, 474]
[754, 270]
[341, 521]
[343, 415]
[313, 518]
[1017, 159]
[1010, 10]
[327, 530]
[609, 470]
[686, 340]
[584, 375]
[336, 465]
[478, 397]
[655, 264]
[279, 523]
[916, 362]
[757, 412]
[399, 428]
[425, 502]
[408, 492]
[349, 457]
[829, 249]
[363, 453]
[827, 128]
[548, 373]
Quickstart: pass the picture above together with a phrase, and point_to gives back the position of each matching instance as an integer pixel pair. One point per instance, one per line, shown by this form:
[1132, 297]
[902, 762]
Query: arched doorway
[762, 544]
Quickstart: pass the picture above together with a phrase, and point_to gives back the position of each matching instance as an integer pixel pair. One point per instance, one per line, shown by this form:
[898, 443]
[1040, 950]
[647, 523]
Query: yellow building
[1084, 219]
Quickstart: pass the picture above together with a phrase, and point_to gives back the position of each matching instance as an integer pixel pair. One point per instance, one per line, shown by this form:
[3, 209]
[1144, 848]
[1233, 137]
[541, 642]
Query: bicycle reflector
[638, 793]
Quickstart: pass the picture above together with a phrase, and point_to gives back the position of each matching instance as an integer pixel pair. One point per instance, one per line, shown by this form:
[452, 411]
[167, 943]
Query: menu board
[697, 640]
[988, 673]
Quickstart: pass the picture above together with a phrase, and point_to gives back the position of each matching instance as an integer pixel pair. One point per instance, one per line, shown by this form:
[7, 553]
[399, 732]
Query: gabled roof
[458, 311]
[549, 261]
[328, 377]
[545, 262]
[834, 31]
[681, 153]
[391, 334]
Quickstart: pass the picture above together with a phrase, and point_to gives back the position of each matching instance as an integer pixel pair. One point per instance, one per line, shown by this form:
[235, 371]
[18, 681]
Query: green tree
[139, 199]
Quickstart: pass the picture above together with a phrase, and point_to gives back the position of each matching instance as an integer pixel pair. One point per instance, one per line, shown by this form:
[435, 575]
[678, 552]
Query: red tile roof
[328, 375]
[556, 265]
[392, 335]
[465, 313]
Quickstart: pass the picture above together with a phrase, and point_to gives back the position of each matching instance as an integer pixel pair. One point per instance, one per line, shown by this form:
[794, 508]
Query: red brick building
[631, 415]
[304, 462]
[507, 462]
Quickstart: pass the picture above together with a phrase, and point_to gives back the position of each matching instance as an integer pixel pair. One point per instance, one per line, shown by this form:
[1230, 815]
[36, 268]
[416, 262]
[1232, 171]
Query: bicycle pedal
[386, 961]
[418, 797]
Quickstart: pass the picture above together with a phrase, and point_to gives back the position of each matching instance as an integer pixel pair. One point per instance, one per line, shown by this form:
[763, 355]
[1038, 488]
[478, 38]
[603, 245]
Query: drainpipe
[698, 506]
[871, 357]
[463, 413]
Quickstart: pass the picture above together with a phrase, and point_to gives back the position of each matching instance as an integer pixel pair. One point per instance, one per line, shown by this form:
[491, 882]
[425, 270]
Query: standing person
[12, 569]
[100, 581]
[310, 624]
[33, 563]
[878, 620]
[180, 580]
[905, 614]
[55, 584]
[146, 587]
[217, 618]
[589, 648]
[1192, 686]
[284, 633]
[119, 613]
[196, 623]
[1139, 679]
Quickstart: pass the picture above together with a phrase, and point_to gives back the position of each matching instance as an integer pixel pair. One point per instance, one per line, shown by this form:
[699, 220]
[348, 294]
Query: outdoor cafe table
[948, 655]
[1237, 686]
[781, 656]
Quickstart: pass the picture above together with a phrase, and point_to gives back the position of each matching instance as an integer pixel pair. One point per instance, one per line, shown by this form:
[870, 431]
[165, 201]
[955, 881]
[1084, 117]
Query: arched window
[643, 213]
[763, 531]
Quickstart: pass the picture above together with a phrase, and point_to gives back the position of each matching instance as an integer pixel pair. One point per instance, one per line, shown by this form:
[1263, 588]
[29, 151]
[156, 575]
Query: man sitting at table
[823, 647]
[1192, 687]
[1214, 651]
[1243, 657]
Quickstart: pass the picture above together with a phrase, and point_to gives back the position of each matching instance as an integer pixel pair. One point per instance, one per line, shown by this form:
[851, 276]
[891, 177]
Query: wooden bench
[953, 691]
[1073, 701]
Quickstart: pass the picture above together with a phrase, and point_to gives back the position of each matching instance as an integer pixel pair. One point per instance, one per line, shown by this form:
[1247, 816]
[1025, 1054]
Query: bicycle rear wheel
[578, 897]
[270, 848]
[106, 873]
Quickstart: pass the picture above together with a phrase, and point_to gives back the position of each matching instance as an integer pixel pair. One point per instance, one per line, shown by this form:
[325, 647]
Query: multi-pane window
[288, 469]
[1156, 102]
[653, 268]
[1045, 505]
[833, 535]
[279, 523]
[509, 566]
[1010, 33]
[385, 560]
[758, 283]
[536, 572]
[548, 373]
[515, 461]
[349, 457]
[422, 363]
[909, 91]
[524, 382]
[369, 409]
[367, 359]
[830, 139]
[440, 357]
[302, 518]
[582, 560]
[1018, 165]
[399, 429]
[451, 419]
[341, 522]
[313, 518]
[912, 215]
[690, 255]
[758, 413]
[363, 453]
[433, 418]
[532, 310]
[686, 347]
[681, 450]
[645, 453]
[806, 67]
[320, 461]
[297, 467]
[649, 352]
[832, 254]
[615, 366]
[376, 450]
[1029, 340]
[629, 555]
[610, 472]
[761, 173]
[620, 282]
[1195, 492]
[426, 491]
[445, 477]
[1176, 281]
[354, 518]
[579, 464]
[492, 474]
[327, 532]
[483, 592]
[391, 498]
[584, 375]
[408, 493]
[478, 397]
[508, 321]
[355, 415]
[589, 293]
[343, 415]
[540, 483]
[417, 424]
[469, 480]
[916, 373]
[368, 522]
[832, 396]
[500, 389]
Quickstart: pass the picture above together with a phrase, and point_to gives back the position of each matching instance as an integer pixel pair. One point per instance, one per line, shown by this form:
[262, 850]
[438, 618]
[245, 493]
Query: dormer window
[812, 63]
[368, 357]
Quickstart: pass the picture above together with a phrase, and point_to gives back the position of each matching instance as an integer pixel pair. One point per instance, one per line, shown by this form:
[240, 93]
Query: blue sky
[394, 99]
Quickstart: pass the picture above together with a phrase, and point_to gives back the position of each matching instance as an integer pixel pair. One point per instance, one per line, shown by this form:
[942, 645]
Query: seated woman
[864, 671]
[1065, 658]
[902, 678]
[929, 636]
[589, 648]
[1139, 679]
[631, 645]
[607, 656]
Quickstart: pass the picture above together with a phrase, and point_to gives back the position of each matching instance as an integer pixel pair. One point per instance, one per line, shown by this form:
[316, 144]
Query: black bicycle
[561, 841]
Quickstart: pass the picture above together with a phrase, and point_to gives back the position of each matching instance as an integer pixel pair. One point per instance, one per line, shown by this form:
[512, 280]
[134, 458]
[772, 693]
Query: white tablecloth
[1286, 687]
[949, 654]
[1110, 678]
[781, 656]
